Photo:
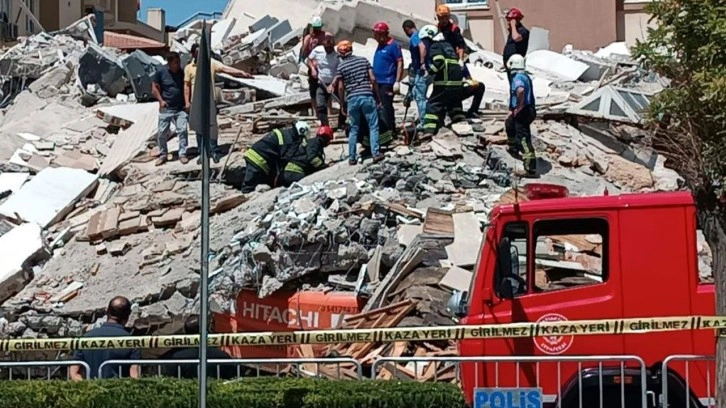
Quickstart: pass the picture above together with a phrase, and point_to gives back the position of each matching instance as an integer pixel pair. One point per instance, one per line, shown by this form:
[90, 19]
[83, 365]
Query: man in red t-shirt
[314, 37]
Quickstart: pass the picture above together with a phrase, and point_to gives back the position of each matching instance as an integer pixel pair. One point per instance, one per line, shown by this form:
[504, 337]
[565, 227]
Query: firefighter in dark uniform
[307, 158]
[451, 32]
[265, 156]
[448, 90]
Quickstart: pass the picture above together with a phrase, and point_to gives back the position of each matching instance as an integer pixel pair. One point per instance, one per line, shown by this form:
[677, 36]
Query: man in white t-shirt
[323, 65]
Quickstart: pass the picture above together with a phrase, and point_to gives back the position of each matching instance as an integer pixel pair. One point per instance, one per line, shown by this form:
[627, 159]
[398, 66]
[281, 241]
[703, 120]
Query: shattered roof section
[613, 103]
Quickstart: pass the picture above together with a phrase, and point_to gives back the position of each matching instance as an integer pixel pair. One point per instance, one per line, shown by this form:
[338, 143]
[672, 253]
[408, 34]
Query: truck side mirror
[457, 304]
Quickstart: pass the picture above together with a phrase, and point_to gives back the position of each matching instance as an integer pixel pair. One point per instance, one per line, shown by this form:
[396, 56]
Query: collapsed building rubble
[86, 216]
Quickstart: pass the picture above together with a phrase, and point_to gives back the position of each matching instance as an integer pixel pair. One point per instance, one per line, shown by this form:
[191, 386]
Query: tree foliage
[689, 47]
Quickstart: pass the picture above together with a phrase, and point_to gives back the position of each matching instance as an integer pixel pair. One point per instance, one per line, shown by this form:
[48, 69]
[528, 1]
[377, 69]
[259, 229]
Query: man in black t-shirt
[117, 315]
[191, 327]
[517, 40]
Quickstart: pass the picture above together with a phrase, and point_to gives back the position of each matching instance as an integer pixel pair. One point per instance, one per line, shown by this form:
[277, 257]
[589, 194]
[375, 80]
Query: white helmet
[428, 31]
[516, 63]
[302, 128]
[316, 22]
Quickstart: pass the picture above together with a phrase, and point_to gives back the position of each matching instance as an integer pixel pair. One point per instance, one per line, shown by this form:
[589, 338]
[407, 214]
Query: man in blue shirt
[117, 315]
[418, 81]
[522, 113]
[388, 69]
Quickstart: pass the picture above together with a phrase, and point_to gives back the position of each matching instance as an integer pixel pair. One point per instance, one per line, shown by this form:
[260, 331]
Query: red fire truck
[549, 257]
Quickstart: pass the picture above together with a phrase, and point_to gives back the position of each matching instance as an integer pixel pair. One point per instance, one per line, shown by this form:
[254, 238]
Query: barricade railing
[257, 364]
[578, 365]
[702, 366]
[48, 365]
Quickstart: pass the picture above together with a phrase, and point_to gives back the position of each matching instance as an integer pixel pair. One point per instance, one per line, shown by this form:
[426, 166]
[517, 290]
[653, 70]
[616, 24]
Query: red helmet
[514, 14]
[326, 132]
[380, 27]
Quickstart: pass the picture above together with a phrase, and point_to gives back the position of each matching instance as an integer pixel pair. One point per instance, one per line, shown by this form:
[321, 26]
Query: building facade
[26, 17]
[586, 24]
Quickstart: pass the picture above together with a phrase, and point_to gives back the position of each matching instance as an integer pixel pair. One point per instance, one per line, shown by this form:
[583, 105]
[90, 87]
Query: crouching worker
[385, 134]
[308, 158]
[264, 157]
[442, 63]
[475, 89]
[522, 113]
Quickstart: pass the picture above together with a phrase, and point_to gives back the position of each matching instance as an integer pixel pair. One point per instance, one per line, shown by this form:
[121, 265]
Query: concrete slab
[556, 64]
[497, 85]
[613, 49]
[539, 39]
[132, 112]
[220, 32]
[131, 141]
[12, 181]
[49, 196]
[265, 83]
[16, 247]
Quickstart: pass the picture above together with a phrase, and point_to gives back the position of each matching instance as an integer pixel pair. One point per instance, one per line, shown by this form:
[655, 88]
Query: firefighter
[265, 156]
[451, 31]
[308, 158]
[475, 89]
[517, 38]
[447, 93]
[521, 115]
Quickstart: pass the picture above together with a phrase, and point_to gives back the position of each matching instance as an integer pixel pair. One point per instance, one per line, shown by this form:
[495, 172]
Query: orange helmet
[442, 10]
[326, 132]
[345, 47]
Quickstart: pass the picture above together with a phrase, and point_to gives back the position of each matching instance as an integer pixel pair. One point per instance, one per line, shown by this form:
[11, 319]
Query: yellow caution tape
[387, 335]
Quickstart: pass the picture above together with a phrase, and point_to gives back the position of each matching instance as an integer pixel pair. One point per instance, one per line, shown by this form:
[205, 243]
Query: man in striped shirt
[360, 92]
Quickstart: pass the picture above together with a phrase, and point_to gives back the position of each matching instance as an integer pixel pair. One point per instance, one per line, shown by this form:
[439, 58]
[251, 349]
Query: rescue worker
[315, 37]
[323, 64]
[418, 81]
[364, 135]
[517, 39]
[475, 89]
[447, 93]
[388, 69]
[522, 113]
[361, 96]
[451, 32]
[307, 158]
[266, 155]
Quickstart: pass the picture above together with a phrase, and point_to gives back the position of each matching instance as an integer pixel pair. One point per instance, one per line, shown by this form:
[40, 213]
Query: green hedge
[247, 393]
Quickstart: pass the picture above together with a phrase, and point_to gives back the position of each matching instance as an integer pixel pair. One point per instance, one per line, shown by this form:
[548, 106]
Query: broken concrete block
[169, 219]
[227, 203]
[99, 67]
[49, 196]
[101, 249]
[44, 145]
[262, 253]
[179, 245]
[18, 248]
[133, 226]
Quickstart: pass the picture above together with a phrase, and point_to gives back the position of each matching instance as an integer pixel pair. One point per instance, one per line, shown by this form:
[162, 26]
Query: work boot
[526, 173]
[473, 115]
[352, 162]
[378, 158]
[216, 157]
[183, 159]
[161, 160]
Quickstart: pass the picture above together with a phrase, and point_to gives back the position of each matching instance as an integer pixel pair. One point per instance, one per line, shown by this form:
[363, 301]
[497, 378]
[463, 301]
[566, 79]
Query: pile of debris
[85, 215]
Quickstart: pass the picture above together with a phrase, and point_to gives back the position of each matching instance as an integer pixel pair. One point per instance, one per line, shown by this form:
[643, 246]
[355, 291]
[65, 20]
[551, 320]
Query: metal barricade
[582, 363]
[48, 365]
[708, 363]
[258, 363]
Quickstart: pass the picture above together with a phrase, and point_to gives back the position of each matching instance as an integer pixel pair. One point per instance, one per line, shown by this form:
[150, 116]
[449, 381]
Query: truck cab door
[552, 269]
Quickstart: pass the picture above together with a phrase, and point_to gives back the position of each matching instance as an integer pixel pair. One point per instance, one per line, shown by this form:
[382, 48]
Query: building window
[5, 7]
[467, 3]
[29, 24]
[570, 253]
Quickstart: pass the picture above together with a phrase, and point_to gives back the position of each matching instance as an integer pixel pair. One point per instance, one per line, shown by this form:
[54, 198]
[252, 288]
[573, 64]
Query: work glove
[396, 88]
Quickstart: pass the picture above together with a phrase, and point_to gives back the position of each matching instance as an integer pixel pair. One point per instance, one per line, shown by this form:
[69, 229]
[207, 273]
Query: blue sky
[179, 10]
